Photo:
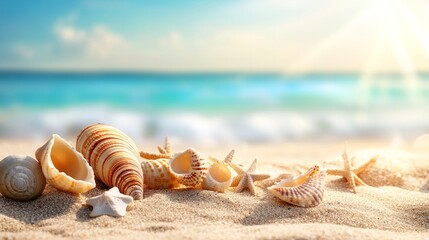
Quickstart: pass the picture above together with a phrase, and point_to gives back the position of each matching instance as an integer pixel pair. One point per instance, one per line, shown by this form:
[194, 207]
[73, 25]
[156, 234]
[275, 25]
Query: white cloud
[98, 42]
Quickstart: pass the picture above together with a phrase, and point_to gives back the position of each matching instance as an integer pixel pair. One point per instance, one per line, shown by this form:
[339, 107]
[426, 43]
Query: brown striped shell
[189, 167]
[114, 157]
[305, 190]
[157, 174]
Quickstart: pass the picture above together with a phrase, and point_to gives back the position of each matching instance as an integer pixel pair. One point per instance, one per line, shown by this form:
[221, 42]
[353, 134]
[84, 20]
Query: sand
[395, 206]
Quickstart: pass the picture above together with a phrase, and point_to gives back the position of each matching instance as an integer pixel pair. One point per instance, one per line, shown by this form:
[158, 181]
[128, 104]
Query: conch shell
[64, 167]
[305, 190]
[189, 167]
[114, 157]
[157, 174]
[219, 176]
[21, 178]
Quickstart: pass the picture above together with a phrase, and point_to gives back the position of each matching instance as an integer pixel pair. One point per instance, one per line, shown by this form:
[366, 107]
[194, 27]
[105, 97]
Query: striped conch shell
[189, 167]
[305, 190]
[114, 157]
[65, 168]
[157, 174]
[219, 176]
[21, 178]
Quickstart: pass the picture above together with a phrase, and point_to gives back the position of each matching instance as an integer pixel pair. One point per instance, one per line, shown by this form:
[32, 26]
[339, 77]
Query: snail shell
[21, 178]
[305, 190]
[64, 167]
[114, 157]
[219, 177]
[157, 174]
[189, 167]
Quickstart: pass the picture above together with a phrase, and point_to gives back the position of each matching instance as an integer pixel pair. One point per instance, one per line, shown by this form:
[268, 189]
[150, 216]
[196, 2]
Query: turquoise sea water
[213, 107]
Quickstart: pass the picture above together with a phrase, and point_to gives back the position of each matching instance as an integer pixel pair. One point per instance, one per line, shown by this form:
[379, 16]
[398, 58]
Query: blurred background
[216, 72]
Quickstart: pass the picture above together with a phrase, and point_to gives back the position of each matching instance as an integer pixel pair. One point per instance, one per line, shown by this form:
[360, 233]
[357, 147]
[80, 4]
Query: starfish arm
[252, 167]
[236, 180]
[167, 145]
[251, 185]
[349, 175]
[236, 168]
[161, 150]
[228, 158]
[336, 172]
[259, 176]
[153, 156]
[242, 184]
[366, 165]
[359, 181]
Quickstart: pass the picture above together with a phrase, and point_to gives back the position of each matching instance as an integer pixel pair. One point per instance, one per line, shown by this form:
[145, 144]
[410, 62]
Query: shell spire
[114, 158]
[305, 190]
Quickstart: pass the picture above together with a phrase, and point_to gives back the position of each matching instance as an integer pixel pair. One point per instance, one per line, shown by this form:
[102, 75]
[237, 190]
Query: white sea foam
[209, 129]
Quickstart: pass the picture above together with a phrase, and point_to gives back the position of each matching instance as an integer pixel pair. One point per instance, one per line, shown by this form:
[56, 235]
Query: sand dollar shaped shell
[189, 167]
[305, 190]
[21, 178]
[114, 157]
[219, 177]
[157, 174]
[65, 168]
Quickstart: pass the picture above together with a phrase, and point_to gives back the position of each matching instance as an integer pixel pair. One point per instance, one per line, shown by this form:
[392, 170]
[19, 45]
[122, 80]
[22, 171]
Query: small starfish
[351, 173]
[227, 160]
[245, 179]
[164, 152]
[112, 203]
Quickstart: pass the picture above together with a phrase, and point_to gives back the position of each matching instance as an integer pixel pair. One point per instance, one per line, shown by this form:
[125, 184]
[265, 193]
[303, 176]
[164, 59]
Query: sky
[366, 36]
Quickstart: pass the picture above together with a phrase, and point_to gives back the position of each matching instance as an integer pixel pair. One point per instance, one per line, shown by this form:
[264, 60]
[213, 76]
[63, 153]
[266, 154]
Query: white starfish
[245, 179]
[112, 203]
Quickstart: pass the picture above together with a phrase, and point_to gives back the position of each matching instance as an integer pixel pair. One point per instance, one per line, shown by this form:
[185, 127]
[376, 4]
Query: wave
[214, 129]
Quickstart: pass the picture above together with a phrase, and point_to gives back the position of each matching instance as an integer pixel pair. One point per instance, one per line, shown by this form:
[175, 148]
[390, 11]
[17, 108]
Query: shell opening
[182, 163]
[298, 180]
[66, 161]
[220, 173]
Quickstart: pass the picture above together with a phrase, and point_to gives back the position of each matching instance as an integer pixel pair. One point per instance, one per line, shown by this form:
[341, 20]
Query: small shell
[219, 177]
[189, 167]
[305, 190]
[21, 178]
[114, 157]
[64, 167]
[157, 174]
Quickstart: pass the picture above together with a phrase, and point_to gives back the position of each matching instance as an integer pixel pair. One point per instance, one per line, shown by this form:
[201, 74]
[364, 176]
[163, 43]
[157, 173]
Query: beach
[393, 206]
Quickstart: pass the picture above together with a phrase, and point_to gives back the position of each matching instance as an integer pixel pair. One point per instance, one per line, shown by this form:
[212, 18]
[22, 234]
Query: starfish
[164, 152]
[351, 173]
[245, 179]
[227, 160]
[112, 203]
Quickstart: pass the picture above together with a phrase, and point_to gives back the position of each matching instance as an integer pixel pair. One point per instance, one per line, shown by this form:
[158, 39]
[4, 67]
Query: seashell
[157, 174]
[114, 158]
[64, 167]
[189, 167]
[21, 178]
[219, 177]
[305, 190]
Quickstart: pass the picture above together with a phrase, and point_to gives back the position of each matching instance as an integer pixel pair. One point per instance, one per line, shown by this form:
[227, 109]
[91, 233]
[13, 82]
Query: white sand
[398, 208]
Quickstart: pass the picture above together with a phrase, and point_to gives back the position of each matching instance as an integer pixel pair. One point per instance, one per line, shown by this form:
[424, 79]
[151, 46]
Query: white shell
[64, 167]
[21, 178]
[157, 174]
[219, 177]
[189, 167]
[305, 190]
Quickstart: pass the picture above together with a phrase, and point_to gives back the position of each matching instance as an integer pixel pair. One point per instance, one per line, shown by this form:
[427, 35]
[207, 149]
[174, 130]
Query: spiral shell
[219, 177]
[189, 167]
[21, 178]
[157, 174]
[114, 158]
[64, 167]
[305, 190]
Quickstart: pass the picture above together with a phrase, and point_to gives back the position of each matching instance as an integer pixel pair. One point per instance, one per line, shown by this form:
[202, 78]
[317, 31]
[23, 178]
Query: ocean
[214, 108]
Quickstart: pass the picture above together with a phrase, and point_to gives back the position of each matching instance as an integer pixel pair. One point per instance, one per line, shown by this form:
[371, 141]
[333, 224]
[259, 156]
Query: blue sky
[253, 35]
